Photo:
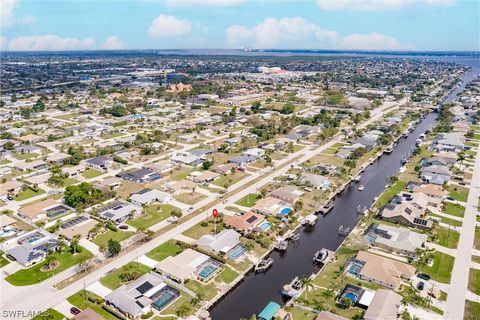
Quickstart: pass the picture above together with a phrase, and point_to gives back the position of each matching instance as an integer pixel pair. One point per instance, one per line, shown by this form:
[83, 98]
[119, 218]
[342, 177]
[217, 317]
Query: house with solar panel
[147, 293]
[119, 211]
[33, 247]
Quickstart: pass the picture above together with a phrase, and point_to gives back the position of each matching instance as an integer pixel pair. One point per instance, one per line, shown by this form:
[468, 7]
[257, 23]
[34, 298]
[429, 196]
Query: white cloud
[113, 43]
[210, 3]
[371, 41]
[284, 33]
[49, 42]
[377, 4]
[296, 33]
[165, 26]
[7, 15]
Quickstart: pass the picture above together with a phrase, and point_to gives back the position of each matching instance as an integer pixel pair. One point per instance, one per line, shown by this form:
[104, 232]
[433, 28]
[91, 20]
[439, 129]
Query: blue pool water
[355, 269]
[371, 238]
[352, 297]
[207, 271]
[265, 226]
[237, 251]
[285, 211]
[165, 298]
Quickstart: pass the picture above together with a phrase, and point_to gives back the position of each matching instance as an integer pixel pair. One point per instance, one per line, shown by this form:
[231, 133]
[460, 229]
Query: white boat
[264, 265]
[310, 220]
[388, 149]
[343, 232]
[321, 256]
[357, 178]
[361, 187]
[293, 289]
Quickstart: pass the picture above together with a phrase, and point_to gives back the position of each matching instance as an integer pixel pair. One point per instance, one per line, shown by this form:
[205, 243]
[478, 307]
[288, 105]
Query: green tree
[114, 247]
[307, 283]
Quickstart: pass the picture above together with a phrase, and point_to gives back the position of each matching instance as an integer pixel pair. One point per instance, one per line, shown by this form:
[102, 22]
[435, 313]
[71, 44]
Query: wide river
[254, 293]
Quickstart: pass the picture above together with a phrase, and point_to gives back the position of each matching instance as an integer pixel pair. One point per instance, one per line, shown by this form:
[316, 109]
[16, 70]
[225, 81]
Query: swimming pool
[207, 271]
[165, 296]
[371, 237]
[265, 226]
[285, 211]
[237, 251]
[351, 296]
[355, 268]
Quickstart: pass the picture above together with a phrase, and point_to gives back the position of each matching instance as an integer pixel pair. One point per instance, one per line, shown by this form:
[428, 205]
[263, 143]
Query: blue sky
[296, 24]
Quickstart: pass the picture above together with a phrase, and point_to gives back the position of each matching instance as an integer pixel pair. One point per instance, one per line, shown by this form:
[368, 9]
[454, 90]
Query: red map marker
[215, 213]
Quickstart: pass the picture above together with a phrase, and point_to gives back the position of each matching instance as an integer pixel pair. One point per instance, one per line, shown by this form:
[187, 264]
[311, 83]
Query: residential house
[269, 206]
[141, 295]
[435, 174]
[204, 177]
[119, 211]
[384, 306]
[288, 194]
[406, 214]
[141, 175]
[245, 223]
[183, 266]
[243, 160]
[221, 242]
[398, 240]
[38, 211]
[380, 270]
[100, 163]
[147, 196]
[189, 160]
[33, 247]
[315, 180]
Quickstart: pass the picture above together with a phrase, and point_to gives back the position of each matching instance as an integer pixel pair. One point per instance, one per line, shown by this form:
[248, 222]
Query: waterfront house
[435, 174]
[380, 270]
[288, 194]
[245, 223]
[398, 240]
[315, 180]
[221, 242]
[385, 305]
[406, 214]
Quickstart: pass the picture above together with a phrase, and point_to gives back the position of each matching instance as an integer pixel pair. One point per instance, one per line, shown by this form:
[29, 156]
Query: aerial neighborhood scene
[236, 159]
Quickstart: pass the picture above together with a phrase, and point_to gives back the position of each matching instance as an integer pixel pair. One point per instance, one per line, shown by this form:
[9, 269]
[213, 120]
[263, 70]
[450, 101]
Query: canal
[253, 294]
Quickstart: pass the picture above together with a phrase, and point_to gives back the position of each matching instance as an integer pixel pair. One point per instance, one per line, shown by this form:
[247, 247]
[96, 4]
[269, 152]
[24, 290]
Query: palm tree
[49, 260]
[308, 284]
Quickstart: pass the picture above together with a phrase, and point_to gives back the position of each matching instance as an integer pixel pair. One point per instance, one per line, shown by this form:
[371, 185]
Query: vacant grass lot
[458, 193]
[474, 281]
[248, 201]
[189, 197]
[154, 213]
[454, 209]
[167, 249]
[102, 239]
[113, 280]
[229, 179]
[441, 270]
[472, 310]
[27, 194]
[447, 238]
[34, 275]
[91, 173]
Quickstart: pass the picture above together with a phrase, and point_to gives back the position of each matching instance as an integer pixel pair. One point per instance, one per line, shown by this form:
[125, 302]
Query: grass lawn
[474, 281]
[300, 314]
[388, 194]
[199, 230]
[472, 310]
[167, 249]
[447, 238]
[458, 193]
[454, 223]
[34, 275]
[27, 194]
[227, 275]
[50, 314]
[189, 197]
[79, 301]
[4, 161]
[476, 243]
[3, 261]
[184, 300]
[182, 174]
[24, 156]
[454, 209]
[112, 135]
[154, 213]
[441, 270]
[113, 281]
[248, 201]
[91, 173]
[206, 291]
[69, 182]
[229, 179]
[102, 239]
[330, 151]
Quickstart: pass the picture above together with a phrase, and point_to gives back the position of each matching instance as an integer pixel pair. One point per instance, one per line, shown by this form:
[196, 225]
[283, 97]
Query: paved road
[459, 281]
[44, 295]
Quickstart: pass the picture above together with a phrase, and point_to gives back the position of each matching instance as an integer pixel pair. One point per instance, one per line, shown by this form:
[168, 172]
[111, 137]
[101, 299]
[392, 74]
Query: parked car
[450, 198]
[224, 201]
[190, 209]
[75, 310]
[424, 276]
[420, 285]
[123, 227]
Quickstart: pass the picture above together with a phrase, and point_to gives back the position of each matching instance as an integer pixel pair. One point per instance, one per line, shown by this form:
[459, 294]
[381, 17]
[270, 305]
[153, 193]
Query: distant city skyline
[398, 25]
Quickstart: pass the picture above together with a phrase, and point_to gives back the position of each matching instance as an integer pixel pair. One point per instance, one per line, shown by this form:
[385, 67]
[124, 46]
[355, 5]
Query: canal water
[254, 293]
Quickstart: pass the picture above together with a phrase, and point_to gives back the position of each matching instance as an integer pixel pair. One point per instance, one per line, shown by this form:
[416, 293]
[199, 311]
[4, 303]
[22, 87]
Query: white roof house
[147, 196]
[221, 242]
[182, 266]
